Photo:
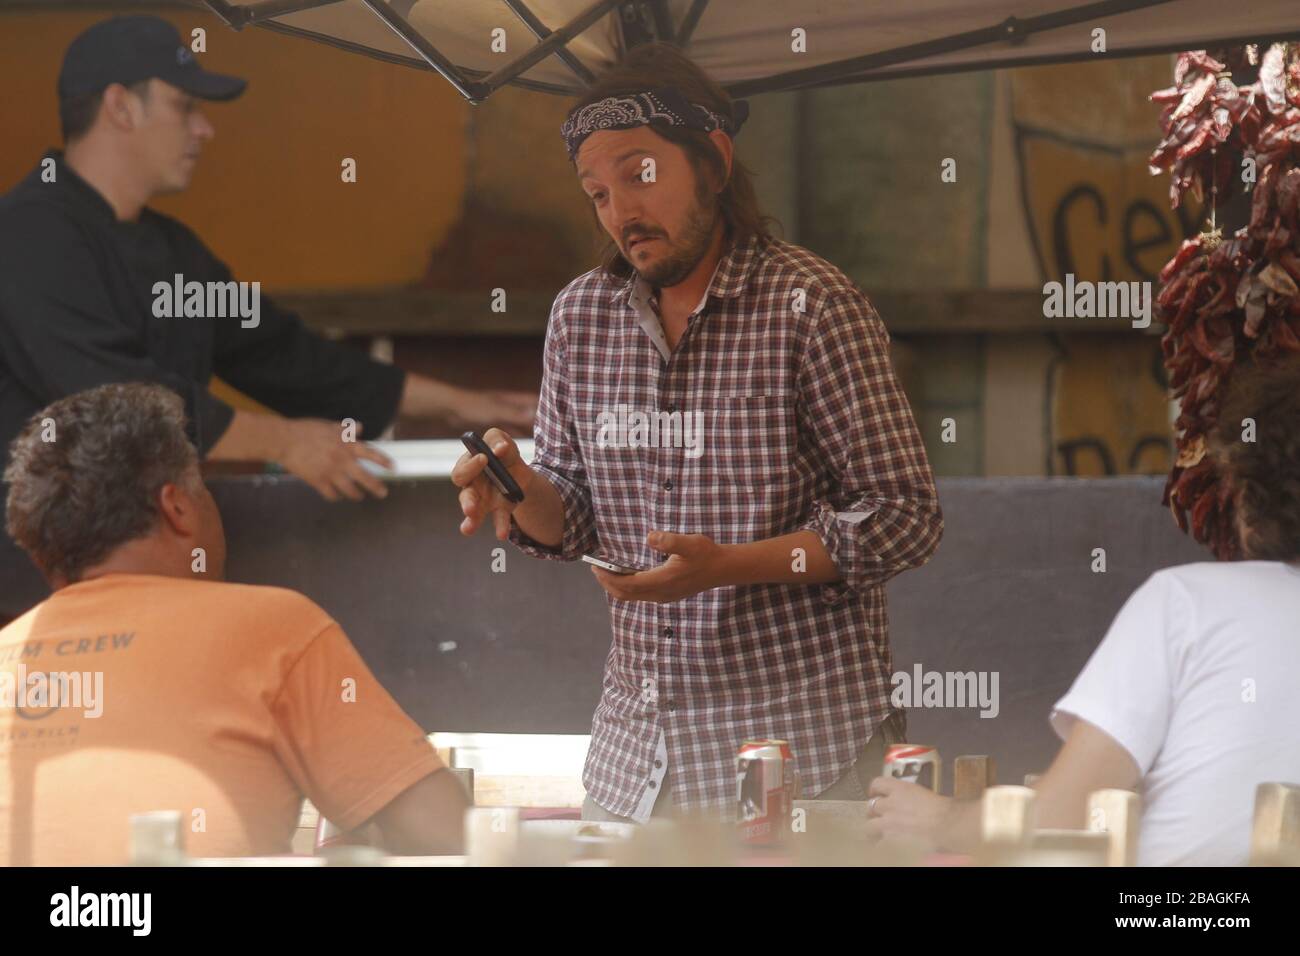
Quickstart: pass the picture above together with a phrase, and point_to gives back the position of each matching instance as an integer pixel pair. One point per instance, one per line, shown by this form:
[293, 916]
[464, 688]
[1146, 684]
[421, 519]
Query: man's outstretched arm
[1090, 760]
[425, 819]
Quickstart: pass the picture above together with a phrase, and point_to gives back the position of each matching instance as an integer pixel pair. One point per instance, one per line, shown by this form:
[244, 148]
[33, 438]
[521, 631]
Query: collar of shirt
[728, 281]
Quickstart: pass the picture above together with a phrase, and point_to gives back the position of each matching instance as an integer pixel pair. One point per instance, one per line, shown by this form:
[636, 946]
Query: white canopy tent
[556, 45]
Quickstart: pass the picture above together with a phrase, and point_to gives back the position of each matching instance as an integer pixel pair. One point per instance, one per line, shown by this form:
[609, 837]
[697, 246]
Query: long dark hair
[661, 64]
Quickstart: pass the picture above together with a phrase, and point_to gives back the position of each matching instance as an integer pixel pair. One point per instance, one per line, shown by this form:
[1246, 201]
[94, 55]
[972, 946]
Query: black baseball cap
[127, 50]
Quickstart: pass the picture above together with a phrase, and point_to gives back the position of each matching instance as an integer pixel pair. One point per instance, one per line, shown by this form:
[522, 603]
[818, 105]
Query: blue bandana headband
[664, 107]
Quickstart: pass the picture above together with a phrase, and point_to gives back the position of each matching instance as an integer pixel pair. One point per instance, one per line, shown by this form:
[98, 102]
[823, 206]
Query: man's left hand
[694, 564]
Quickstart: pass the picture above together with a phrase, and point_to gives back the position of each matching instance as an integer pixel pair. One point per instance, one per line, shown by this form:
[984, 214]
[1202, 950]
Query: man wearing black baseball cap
[130, 50]
[81, 256]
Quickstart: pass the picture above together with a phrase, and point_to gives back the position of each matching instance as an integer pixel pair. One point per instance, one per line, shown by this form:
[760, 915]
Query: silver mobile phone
[609, 565]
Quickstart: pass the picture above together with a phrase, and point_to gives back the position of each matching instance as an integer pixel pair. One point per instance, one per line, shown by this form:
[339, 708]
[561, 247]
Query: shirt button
[668, 485]
[658, 764]
[668, 631]
[652, 785]
[671, 408]
[672, 706]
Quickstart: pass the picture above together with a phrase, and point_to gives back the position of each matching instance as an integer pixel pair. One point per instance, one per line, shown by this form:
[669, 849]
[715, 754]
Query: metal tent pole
[1011, 30]
[541, 32]
[472, 91]
[237, 17]
[545, 48]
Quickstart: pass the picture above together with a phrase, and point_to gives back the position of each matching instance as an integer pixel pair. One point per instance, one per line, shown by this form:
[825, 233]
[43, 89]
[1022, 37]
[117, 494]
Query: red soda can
[767, 785]
[913, 763]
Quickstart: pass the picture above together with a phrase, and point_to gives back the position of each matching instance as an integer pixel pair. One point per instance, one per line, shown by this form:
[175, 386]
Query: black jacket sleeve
[59, 332]
[298, 373]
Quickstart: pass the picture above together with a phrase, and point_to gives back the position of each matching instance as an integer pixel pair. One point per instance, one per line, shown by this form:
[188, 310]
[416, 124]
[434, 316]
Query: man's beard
[686, 252]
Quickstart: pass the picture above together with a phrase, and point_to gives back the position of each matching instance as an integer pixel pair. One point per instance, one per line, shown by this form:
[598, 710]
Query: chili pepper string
[1226, 302]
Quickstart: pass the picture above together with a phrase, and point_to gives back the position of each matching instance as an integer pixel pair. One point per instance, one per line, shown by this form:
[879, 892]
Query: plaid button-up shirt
[804, 427]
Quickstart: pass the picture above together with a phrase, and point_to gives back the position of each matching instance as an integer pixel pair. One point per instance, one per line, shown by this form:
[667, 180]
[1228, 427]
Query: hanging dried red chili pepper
[1227, 301]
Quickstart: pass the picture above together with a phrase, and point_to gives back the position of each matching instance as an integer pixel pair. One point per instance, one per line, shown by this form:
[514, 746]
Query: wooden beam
[407, 311]
[419, 312]
[506, 790]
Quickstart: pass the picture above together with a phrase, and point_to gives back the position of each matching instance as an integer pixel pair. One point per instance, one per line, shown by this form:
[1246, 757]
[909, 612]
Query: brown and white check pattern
[805, 427]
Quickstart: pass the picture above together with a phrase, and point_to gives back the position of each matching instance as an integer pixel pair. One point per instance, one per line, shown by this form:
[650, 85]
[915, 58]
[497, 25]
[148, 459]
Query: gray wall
[465, 649]
[1011, 590]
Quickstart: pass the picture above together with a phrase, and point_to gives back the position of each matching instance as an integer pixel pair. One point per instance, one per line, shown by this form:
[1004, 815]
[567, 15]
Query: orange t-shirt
[226, 702]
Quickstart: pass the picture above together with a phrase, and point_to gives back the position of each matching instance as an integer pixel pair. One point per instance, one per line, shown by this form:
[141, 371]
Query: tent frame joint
[238, 17]
[1016, 31]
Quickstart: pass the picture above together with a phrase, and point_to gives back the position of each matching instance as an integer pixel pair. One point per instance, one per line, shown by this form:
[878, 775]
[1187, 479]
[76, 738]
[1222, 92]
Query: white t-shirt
[1199, 679]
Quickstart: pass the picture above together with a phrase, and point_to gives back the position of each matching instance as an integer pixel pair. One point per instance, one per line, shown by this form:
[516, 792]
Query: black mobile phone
[496, 471]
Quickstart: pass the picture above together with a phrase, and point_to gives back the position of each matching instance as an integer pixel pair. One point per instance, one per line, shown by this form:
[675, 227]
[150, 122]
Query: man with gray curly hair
[226, 702]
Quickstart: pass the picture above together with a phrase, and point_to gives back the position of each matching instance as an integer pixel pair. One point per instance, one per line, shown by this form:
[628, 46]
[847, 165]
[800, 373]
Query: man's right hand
[314, 450]
[311, 448]
[479, 498]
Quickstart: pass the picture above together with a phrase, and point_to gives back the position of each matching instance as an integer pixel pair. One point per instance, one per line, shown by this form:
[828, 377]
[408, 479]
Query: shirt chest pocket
[752, 438]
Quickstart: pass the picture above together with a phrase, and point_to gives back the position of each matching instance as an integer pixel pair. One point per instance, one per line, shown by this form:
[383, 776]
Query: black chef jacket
[77, 310]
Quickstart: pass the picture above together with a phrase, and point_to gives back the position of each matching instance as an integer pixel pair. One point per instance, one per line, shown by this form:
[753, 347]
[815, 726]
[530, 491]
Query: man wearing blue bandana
[771, 477]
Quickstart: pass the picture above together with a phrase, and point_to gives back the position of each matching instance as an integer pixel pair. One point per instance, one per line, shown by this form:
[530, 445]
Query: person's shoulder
[1212, 580]
[585, 298]
[32, 214]
[1201, 591]
[170, 225]
[827, 298]
[796, 266]
[1196, 573]
[265, 597]
[268, 609]
[1178, 579]
[16, 631]
[28, 191]
[592, 289]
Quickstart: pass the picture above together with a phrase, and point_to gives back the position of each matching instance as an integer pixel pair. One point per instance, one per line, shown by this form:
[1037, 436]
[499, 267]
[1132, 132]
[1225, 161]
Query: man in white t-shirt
[1193, 697]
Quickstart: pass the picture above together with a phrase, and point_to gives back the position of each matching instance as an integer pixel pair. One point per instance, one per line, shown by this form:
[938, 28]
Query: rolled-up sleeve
[881, 514]
[556, 454]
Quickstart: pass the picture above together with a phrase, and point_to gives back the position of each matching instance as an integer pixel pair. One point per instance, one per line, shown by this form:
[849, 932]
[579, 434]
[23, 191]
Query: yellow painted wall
[1084, 132]
[520, 163]
[1070, 192]
[268, 196]
[1108, 395]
